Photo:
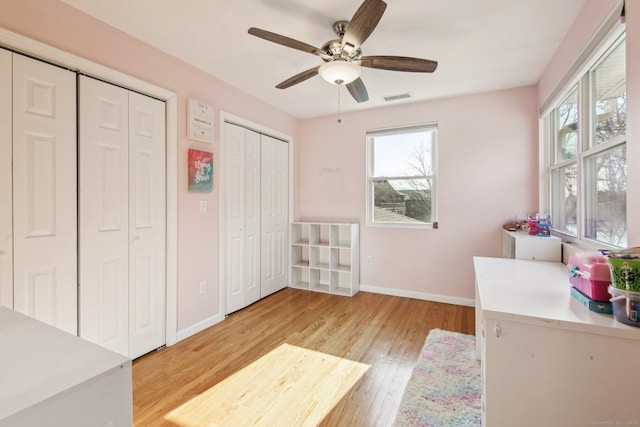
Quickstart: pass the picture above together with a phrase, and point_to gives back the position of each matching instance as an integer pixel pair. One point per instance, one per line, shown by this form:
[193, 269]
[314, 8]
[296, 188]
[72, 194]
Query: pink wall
[487, 160]
[60, 26]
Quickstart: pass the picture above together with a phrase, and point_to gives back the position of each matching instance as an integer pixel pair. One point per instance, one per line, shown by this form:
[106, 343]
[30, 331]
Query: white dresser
[546, 359]
[51, 378]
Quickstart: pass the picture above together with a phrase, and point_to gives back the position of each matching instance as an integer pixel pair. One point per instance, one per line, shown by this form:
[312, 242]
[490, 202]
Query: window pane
[403, 154]
[402, 167]
[566, 116]
[610, 102]
[402, 200]
[606, 219]
[565, 199]
[587, 170]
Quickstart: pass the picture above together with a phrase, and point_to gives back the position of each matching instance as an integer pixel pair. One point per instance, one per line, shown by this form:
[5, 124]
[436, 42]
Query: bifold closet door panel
[104, 212]
[6, 180]
[275, 221]
[147, 242]
[44, 192]
[252, 217]
[234, 204]
[122, 218]
[242, 209]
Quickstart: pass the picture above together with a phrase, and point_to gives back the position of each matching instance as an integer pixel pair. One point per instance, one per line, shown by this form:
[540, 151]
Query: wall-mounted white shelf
[325, 257]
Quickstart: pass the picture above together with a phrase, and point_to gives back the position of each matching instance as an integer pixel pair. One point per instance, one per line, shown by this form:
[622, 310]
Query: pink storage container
[589, 273]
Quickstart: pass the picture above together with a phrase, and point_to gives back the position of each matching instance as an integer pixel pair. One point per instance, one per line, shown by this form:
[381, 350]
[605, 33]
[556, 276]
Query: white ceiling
[480, 45]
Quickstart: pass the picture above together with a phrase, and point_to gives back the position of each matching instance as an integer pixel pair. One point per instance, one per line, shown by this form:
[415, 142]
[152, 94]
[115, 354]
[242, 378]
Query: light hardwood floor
[383, 331]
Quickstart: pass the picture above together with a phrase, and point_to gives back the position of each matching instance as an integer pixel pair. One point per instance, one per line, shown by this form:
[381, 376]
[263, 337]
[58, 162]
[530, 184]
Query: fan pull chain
[339, 118]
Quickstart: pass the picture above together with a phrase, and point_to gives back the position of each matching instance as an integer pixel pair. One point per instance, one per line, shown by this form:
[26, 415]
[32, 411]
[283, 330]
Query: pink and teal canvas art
[200, 171]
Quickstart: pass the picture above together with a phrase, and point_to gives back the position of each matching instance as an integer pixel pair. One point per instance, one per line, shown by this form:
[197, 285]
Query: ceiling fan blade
[299, 78]
[286, 41]
[363, 23]
[358, 91]
[399, 63]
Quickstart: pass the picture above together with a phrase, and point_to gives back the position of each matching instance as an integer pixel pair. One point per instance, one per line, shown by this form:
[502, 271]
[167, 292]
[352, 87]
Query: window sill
[400, 225]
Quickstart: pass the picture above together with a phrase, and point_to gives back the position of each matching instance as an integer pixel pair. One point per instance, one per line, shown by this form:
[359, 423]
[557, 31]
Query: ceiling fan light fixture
[339, 72]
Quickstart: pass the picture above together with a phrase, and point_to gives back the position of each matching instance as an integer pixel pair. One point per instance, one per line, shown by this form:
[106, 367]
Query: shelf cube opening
[341, 282]
[300, 277]
[300, 233]
[319, 257]
[314, 234]
[340, 259]
[300, 256]
[341, 235]
[319, 280]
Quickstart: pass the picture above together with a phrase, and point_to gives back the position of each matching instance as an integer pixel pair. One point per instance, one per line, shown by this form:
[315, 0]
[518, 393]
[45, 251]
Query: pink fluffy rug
[444, 388]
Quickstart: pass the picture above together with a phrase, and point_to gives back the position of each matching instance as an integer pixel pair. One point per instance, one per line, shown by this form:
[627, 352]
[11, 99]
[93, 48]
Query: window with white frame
[586, 139]
[401, 176]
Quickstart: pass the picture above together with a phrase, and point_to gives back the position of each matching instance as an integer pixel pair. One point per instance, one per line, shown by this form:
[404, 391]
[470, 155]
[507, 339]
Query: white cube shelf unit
[325, 257]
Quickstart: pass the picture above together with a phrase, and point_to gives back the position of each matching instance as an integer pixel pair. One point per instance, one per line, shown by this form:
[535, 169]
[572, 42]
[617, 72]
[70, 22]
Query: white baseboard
[419, 295]
[199, 327]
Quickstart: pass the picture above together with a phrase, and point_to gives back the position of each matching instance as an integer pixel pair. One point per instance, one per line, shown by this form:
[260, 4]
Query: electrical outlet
[369, 260]
[203, 287]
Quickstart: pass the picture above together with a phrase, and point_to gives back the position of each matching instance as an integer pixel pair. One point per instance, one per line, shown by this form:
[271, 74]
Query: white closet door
[6, 179]
[275, 166]
[242, 189]
[234, 204]
[44, 191]
[252, 217]
[147, 243]
[104, 212]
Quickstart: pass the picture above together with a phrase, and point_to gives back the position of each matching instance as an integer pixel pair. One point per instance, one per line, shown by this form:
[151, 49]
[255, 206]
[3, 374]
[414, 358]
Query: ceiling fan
[343, 57]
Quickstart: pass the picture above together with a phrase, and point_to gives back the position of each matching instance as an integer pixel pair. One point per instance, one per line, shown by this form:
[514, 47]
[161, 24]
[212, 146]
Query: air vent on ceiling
[396, 97]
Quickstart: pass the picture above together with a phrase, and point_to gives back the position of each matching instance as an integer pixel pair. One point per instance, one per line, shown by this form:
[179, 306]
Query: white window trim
[433, 225]
[547, 139]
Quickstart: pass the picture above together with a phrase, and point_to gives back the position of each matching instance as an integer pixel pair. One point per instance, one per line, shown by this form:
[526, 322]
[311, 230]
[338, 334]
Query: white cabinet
[522, 245]
[546, 359]
[51, 378]
[325, 257]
